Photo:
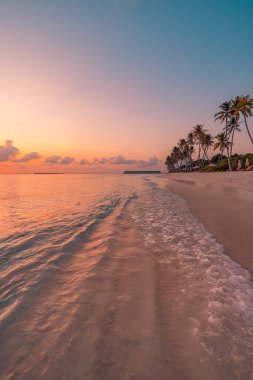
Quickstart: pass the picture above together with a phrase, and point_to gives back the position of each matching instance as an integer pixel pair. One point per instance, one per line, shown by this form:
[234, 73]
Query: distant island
[142, 172]
[47, 173]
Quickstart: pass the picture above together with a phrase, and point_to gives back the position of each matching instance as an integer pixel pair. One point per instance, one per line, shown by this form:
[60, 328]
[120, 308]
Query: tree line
[233, 115]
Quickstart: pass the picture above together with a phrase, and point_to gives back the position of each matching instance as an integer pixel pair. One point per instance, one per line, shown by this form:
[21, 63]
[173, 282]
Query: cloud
[152, 161]
[83, 161]
[121, 160]
[59, 160]
[28, 157]
[8, 151]
[66, 160]
[53, 159]
[103, 160]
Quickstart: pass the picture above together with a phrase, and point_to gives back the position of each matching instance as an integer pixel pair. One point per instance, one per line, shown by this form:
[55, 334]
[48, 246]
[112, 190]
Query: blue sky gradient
[138, 70]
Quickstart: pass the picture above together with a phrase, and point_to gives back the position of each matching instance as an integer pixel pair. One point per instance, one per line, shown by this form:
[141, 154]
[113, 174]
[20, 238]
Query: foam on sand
[215, 293]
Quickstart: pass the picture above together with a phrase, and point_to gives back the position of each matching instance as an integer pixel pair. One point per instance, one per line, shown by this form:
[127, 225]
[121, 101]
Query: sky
[111, 85]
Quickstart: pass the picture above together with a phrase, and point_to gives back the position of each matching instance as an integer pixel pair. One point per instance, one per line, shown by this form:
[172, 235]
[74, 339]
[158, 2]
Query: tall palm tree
[207, 142]
[183, 147]
[243, 105]
[176, 157]
[222, 144]
[190, 142]
[225, 113]
[233, 126]
[198, 132]
[186, 152]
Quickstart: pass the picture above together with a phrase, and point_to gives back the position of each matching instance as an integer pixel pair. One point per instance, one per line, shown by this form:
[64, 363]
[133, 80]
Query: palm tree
[222, 143]
[190, 138]
[232, 126]
[190, 142]
[176, 157]
[207, 142]
[170, 164]
[181, 144]
[243, 105]
[184, 152]
[198, 132]
[224, 114]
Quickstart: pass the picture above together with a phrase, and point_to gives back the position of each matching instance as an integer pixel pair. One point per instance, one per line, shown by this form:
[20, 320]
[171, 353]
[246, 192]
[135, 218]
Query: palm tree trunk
[202, 159]
[229, 160]
[221, 154]
[226, 128]
[246, 125]
[232, 142]
[207, 155]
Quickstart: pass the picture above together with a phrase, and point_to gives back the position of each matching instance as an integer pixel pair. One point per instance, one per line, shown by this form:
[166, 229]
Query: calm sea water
[45, 219]
[55, 229]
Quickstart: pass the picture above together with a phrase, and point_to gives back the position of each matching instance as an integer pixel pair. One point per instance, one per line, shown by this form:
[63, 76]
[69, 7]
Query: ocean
[112, 277]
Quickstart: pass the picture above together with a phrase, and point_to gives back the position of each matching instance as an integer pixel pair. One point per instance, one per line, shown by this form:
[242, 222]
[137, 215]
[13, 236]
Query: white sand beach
[223, 202]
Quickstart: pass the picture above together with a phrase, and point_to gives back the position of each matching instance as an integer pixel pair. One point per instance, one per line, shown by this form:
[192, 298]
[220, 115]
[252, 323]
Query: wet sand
[223, 202]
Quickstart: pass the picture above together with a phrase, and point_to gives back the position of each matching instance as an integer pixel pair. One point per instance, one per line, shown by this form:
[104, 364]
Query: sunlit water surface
[45, 219]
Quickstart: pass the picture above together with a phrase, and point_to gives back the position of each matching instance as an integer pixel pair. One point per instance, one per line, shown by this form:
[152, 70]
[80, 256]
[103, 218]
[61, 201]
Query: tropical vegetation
[193, 152]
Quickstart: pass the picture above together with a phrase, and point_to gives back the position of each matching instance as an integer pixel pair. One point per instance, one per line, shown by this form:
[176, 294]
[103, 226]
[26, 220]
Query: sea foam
[218, 290]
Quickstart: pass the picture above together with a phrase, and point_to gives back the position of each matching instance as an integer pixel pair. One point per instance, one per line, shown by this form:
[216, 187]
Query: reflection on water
[45, 220]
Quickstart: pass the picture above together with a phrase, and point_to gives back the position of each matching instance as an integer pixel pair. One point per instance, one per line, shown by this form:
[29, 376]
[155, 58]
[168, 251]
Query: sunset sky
[108, 85]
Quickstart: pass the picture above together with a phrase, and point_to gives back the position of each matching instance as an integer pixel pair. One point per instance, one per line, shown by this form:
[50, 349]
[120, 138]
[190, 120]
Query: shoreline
[223, 203]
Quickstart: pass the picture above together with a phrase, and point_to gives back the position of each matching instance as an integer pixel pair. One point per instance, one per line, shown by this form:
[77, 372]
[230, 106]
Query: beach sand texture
[223, 202]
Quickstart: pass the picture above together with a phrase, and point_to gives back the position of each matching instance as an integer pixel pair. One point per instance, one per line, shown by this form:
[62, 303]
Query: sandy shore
[223, 202]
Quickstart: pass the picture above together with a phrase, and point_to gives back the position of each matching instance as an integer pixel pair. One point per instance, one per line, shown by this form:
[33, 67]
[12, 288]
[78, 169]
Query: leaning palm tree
[198, 132]
[222, 144]
[243, 105]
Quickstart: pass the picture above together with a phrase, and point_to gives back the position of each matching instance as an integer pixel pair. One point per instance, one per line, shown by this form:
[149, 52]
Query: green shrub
[222, 166]
[234, 162]
[216, 158]
[209, 169]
